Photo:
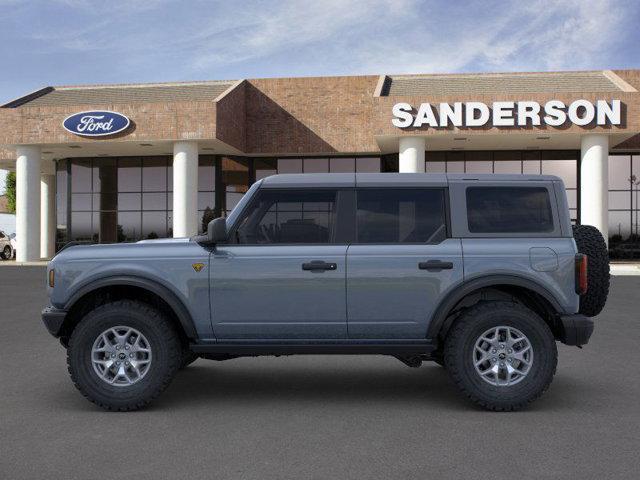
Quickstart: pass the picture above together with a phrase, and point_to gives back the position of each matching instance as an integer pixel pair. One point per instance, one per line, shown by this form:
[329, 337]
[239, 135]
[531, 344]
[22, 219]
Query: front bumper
[54, 320]
[576, 329]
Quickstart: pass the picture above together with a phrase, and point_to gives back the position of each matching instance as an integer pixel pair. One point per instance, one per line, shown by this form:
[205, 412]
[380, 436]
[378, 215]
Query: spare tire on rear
[590, 242]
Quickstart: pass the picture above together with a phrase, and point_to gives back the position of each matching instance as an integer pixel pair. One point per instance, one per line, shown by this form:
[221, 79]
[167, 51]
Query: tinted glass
[289, 216]
[509, 210]
[401, 216]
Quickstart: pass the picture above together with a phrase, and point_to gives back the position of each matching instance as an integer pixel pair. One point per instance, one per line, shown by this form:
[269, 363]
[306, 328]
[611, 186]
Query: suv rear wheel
[123, 354]
[501, 355]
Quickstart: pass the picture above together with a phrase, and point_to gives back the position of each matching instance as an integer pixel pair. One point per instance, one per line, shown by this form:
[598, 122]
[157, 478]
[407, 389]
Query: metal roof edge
[28, 97]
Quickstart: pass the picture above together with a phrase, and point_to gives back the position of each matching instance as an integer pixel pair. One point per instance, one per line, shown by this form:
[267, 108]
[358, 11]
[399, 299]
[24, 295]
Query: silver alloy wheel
[121, 356]
[503, 356]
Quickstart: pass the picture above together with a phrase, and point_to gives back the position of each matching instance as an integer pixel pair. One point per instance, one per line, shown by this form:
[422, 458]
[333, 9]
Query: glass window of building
[206, 191]
[234, 181]
[478, 166]
[368, 165]
[435, 167]
[265, 167]
[289, 165]
[316, 165]
[342, 165]
[62, 235]
[531, 163]
[624, 202]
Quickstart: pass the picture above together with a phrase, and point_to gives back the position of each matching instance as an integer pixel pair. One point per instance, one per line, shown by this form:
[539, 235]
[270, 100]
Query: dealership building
[113, 163]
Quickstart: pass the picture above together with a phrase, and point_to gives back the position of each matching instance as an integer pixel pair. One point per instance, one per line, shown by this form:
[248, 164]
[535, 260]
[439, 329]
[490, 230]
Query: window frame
[344, 204]
[445, 205]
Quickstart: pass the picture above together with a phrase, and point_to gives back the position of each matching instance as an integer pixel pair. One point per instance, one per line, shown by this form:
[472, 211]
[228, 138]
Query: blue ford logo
[96, 124]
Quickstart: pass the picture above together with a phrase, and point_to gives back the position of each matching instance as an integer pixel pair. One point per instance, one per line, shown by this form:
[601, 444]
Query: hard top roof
[318, 180]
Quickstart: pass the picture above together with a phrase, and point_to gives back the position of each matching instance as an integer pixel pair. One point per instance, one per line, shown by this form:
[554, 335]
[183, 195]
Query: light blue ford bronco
[479, 273]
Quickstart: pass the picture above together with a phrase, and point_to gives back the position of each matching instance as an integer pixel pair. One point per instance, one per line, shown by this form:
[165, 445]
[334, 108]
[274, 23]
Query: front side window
[289, 217]
[401, 216]
[509, 210]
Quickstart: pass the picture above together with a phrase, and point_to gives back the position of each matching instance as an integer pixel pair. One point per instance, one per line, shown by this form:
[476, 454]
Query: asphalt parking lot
[317, 417]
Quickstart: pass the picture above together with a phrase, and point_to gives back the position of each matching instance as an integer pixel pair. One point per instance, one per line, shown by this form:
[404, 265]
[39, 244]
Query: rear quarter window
[509, 210]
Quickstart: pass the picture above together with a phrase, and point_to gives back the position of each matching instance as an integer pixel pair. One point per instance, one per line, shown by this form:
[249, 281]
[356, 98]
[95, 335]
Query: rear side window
[509, 210]
[401, 216]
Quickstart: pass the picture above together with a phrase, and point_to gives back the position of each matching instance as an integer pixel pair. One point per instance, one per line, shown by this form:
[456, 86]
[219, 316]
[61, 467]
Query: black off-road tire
[460, 344]
[188, 357]
[7, 254]
[165, 346]
[590, 241]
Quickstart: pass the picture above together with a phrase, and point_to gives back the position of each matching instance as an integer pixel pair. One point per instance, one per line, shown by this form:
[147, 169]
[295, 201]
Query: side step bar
[316, 348]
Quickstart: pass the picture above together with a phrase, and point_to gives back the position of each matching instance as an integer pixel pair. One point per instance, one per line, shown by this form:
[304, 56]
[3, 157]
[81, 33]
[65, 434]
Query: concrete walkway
[623, 269]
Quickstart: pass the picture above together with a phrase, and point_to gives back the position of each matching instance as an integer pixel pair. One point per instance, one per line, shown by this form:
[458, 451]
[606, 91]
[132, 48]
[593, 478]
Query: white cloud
[541, 35]
[290, 25]
[169, 39]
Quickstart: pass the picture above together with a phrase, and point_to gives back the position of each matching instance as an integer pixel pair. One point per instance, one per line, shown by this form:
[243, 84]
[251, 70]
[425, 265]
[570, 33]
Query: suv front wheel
[501, 355]
[123, 354]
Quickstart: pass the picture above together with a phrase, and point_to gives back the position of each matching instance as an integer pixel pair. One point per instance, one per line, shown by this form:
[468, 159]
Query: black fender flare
[453, 297]
[178, 307]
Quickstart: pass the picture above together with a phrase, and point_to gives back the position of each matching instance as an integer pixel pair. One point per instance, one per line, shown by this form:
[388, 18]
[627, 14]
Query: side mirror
[217, 230]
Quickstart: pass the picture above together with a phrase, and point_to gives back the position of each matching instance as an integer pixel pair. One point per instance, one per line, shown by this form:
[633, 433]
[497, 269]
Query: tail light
[581, 274]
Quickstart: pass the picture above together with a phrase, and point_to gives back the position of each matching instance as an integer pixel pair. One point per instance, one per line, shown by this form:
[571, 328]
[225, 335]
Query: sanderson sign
[96, 123]
[507, 114]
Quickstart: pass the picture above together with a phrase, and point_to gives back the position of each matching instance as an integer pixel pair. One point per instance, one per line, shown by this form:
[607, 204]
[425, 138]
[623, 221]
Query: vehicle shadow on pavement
[208, 383]
[203, 384]
[429, 386]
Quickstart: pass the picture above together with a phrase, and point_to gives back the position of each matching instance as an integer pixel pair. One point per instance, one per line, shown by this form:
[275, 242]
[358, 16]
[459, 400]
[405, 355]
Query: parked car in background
[6, 246]
[14, 243]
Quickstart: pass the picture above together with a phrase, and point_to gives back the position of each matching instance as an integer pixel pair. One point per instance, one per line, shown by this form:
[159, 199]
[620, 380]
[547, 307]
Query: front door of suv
[401, 263]
[282, 276]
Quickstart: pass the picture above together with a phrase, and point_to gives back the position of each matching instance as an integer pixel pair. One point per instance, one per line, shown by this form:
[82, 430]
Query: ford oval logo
[96, 124]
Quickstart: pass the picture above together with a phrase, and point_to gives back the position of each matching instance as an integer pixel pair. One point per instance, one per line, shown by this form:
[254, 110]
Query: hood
[143, 248]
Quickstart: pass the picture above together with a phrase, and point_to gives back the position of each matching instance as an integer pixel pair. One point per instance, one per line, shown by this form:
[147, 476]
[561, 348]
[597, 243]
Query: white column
[411, 154]
[47, 215]
[185, 189]
[28, 203]
[594, 182]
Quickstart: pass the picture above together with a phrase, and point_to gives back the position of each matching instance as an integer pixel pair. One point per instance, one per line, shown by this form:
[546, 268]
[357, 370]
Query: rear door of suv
[402, 259]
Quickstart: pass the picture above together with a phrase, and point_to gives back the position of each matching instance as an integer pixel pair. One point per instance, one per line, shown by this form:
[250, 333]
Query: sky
[71, 42]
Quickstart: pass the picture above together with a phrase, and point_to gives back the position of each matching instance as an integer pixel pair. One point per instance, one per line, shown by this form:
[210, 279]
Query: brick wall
[312, 115]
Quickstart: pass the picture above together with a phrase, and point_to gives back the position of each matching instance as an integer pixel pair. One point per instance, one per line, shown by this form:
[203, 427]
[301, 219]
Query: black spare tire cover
[590, 242]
